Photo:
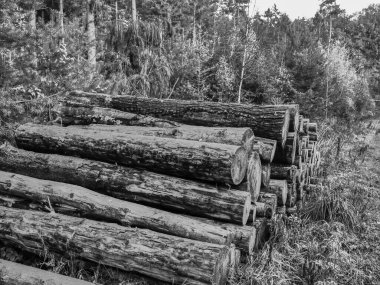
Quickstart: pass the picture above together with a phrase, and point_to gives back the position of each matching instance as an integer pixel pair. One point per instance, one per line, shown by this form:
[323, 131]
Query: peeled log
[231, 136]
[164, 257]
[271, 121]
[12, 273]
[157, 190]
[86, 115]
[266, 148]
[91, 204]
[280, 188]
[265, 178]
[182, 158]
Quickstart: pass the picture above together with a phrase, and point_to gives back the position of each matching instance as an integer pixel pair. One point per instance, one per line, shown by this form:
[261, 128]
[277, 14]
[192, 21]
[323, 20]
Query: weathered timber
[270, 200]
[265, 177]
[231, 136]
[188, 159]
[244, 237]
[157, 190]
[12, 273]
[91, 204]
[294, 117]
[254, 175]
[278, 187]
[283, 171]
[164, 257]
[271, 121]
[287, 153]
[262, 232]
[263, 210]
[313, 136]
[268, 148]
[313, 127]
[85, 115]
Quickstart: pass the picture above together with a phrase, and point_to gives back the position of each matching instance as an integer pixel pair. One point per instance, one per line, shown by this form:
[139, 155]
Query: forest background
[213, 50]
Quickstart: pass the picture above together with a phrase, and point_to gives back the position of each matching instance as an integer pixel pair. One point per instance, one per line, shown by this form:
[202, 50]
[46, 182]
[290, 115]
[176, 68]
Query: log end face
[247, 210]
[239, 165]
[254, 174]
[285, 128]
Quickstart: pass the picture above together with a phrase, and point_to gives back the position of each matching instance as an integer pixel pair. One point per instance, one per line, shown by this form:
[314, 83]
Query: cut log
[268, 148]
[294, 117]
[244, 237]
[164, 257]
[85, 115]
[281, 171]
[271, 121]
[265, 177]
[188, 159]
[313, 127]
[280, 188]
[231, 136]
[270, 200]
[12, 273]
[254, 175]
[94, 205]
[287, 154]
[157, 190]
[262, 232]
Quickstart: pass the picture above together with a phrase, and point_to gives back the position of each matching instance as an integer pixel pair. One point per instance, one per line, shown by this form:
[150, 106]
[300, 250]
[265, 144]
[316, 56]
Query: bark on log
[281, 171]
[280, 188]
[86, 115]
[294, 117]
[262, 232]
[230, 136]
[188, 159]
[254, 175]
[313, 127]
[271, 121]
[157, 190]
[164, 257]
[263, 210]
[90, 204]
[265, 177]
[244, 237]
[266, 148]
[12, 273]
[270, 200]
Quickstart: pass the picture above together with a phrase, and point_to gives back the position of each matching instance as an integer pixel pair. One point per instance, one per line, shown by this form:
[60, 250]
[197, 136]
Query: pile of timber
[174, 190]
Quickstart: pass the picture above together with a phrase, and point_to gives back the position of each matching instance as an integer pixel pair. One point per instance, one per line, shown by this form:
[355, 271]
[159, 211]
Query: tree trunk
[268, 148]
[278, 187]
[61, 25]
[168, 258]
[90, 204]
[12, 273]
[95, 115]
[157, 190]
[134, 12]
[269, 121]
[91, 39]
[188, 159]
[230, 136]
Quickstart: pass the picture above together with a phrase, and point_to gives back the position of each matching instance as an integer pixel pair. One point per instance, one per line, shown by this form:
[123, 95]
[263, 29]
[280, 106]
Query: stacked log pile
[174, 190]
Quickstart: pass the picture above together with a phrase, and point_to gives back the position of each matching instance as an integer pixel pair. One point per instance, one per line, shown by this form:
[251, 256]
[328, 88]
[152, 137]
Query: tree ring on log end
[239, 165]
